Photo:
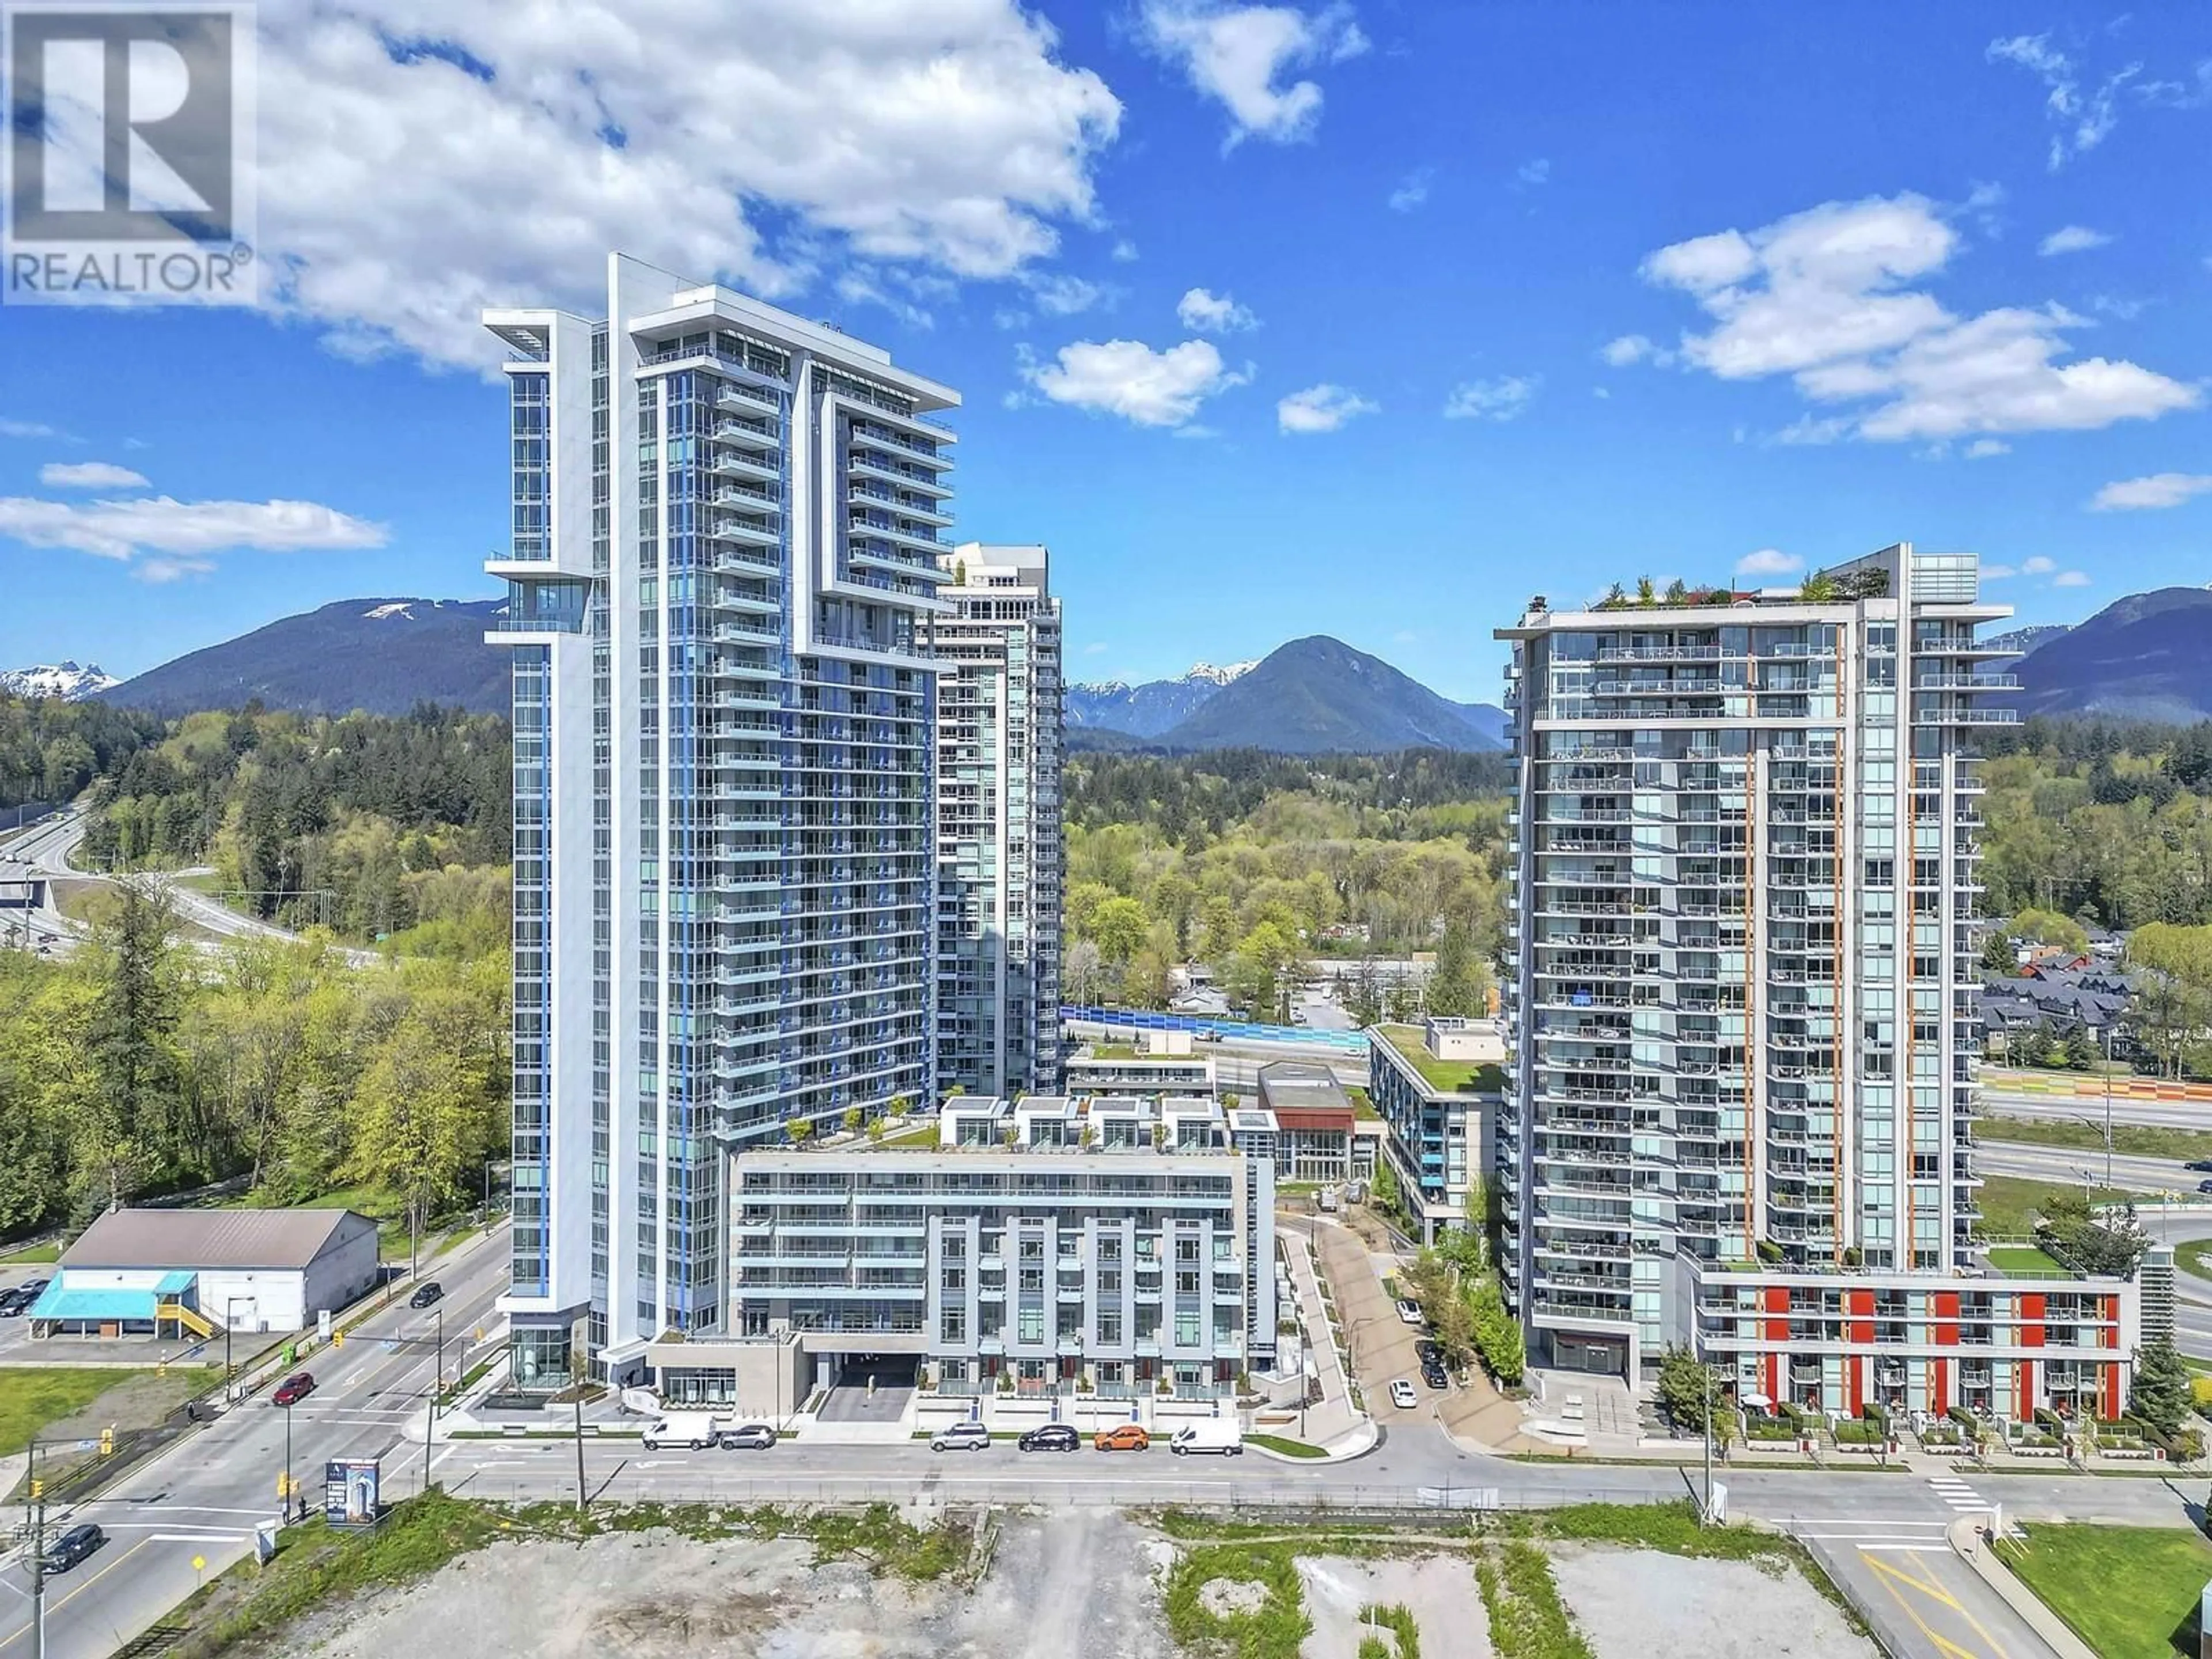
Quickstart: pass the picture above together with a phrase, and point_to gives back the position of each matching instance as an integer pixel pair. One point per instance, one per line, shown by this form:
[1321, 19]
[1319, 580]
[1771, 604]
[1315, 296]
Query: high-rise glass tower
[724, 536]
[1741, 1000]
[998, 855]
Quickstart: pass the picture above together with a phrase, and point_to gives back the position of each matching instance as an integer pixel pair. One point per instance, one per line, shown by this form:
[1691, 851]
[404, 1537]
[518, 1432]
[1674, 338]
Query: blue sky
[1363, 319]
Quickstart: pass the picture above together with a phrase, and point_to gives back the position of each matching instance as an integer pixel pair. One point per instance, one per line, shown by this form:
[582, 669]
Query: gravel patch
[1225, 1598]
[1639, 1604]
[1438, 1590]
[1060, 1587]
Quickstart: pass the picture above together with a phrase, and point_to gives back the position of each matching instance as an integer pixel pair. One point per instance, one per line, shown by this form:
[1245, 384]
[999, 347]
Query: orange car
[1123, 1437]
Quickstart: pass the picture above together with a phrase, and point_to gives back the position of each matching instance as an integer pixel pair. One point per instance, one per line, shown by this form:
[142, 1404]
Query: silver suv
[968, 1435]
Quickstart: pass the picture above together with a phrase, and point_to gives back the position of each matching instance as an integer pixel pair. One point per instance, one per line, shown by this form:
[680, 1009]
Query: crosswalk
[1959, 1495]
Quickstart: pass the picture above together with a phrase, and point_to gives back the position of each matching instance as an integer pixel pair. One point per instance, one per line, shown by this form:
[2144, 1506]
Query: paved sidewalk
[1334, 1417]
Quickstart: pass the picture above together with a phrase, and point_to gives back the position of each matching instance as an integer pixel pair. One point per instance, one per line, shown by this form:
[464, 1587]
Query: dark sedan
[1050, 1436]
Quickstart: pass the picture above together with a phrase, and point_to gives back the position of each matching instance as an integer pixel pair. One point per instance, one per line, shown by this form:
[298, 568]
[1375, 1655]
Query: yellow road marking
[1892, 1576]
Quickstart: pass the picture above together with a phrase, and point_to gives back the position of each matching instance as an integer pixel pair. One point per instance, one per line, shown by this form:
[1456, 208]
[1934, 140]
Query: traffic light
[283, 1484]
[38, 1490]
[337, 1338]
[107, 1443]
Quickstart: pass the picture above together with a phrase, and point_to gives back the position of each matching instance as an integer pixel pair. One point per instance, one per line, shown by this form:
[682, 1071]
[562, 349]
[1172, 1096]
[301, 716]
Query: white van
[1209, 1434]
[697, 1430]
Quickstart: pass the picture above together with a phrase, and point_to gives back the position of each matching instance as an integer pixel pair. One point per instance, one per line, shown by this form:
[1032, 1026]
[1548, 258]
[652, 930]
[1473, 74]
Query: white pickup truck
[1208, 1434]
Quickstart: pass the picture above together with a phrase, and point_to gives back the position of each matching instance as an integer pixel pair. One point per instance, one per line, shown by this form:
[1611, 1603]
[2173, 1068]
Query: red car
[293, 1389]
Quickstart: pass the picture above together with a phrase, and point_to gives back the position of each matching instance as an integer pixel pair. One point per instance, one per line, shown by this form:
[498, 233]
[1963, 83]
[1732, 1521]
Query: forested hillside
[369, 824]
[140, 1065]
[2110, 821]
[50, 750]
[1250, 862]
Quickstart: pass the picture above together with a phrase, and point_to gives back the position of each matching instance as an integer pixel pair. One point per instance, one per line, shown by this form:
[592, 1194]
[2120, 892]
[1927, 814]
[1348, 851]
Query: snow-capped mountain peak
[65, 679]
[1214, 676]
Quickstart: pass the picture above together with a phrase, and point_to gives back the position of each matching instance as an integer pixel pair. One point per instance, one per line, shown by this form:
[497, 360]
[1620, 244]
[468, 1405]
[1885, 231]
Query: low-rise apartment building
[1439, 1089]
[1159, 1062]
[1122, 1244]
[1320, 1138]
[2006, 1346]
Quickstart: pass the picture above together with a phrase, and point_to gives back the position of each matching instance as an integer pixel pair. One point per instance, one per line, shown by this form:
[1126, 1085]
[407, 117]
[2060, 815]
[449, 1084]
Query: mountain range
[2146, 657]
[65, 680]
[2143, 657]
[1146, 710]
[380, 655]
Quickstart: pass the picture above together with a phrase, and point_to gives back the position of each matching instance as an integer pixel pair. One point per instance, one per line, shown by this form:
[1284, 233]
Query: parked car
[1123, 1437]
[72, 1546]
[695, 1430]
[966, 1435]
[1433, 1374]
[1410, 1312]
[1209, 1434]
[31, 1287]
[293, 1389]
[14, 1304]
[1402, 1395]
[1050, 1436]
[1428, 1352]
[427, 1291]
[747, 1436]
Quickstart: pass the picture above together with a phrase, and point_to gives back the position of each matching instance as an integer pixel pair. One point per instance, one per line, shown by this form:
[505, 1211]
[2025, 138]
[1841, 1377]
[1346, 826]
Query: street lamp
[289, 1496]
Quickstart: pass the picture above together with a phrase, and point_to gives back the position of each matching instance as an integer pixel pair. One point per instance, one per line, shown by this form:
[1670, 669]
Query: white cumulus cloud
[1129, 379]
[1538, 171]
[2071, 239]
[89, 475]
[12, 428]
[1321, 407]
[1242, 56]
[421, 159]
[2158, 490]
[1501, 398]
[2038, 566]
[1629, 349]
[1983, 449]
[2071, 579]
[1213, 313]
[1828, 297]
[185, 534]
[1769, 561]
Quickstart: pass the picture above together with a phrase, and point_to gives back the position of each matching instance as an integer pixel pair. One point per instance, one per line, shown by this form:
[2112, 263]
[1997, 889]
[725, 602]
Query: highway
[2069, 1165]
[204, 1496]
[47, 847]
[2090, 1108]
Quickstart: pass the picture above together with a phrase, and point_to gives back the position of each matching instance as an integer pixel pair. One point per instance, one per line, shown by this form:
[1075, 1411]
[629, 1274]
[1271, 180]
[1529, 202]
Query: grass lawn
[2025, 1259]
[33, 1396]
[1276, 1443]
[2195, 1257]
[908, 1140]
[1450, 1075]
[2010, 1203]
[2128, 1592]
[2129, 1139]
[30, 1253]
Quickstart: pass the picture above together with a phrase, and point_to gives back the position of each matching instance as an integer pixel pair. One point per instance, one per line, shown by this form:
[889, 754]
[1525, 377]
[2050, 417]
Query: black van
[72, 1546]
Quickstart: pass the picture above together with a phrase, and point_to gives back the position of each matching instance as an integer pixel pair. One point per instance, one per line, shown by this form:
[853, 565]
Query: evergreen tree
[2161, 1396]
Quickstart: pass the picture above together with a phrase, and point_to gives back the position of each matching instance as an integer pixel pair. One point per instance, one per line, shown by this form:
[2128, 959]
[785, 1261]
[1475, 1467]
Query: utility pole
[583, 1500]
[438, 1368]
[38, 1558]
[2108, 1102]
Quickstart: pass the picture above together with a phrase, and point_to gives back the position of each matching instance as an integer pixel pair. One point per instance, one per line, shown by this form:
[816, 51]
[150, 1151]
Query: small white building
[135, 1272]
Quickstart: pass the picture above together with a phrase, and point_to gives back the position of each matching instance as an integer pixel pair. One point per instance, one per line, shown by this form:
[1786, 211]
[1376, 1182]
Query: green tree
[2161, 1397]
[124, 1133]
[1458, 984]
[1687, 1390]
[1118, 927]
[1385, 1191]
